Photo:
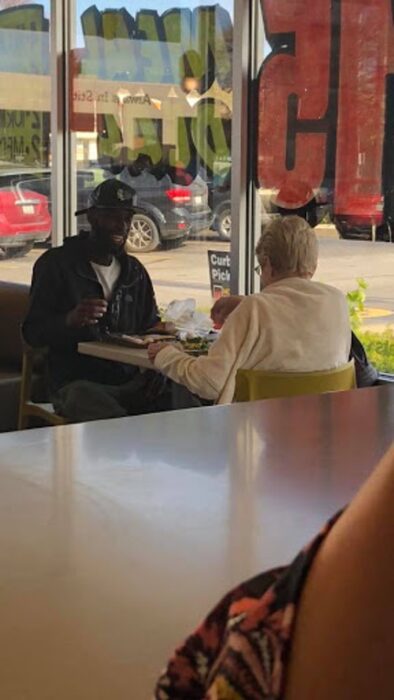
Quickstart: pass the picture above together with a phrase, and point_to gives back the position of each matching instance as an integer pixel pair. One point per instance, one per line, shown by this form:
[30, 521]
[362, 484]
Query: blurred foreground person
[319, 629]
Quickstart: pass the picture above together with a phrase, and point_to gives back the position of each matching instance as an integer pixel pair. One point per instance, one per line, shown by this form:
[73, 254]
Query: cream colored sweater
[294, 325]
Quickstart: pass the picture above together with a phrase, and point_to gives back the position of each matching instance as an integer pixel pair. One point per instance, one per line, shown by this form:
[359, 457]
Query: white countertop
[118, 536]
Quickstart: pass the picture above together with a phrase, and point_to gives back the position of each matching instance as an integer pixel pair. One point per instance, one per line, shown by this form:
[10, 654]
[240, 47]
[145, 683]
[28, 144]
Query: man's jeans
[82, 400]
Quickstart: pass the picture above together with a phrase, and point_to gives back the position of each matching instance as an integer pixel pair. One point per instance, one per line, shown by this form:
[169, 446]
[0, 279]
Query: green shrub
[379, 348]
[356, 302]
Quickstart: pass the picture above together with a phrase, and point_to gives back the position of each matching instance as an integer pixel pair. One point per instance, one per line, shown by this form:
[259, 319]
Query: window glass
[25, 157]
[325, 147]
[151, 105]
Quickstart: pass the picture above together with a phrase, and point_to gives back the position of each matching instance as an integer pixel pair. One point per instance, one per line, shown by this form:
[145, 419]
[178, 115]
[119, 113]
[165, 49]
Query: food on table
[196, 346]
[137, 341]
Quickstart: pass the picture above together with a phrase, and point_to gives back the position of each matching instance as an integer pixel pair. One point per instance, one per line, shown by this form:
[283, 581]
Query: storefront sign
[186, 53]
[24, 137]
[326, 107]
[219, 272]
[167, 48]
[24, 39]
[81, 97]
[326, 93]
[157, 48]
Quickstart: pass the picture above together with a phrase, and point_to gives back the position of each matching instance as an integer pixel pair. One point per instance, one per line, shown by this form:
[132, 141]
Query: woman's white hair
[291, 246]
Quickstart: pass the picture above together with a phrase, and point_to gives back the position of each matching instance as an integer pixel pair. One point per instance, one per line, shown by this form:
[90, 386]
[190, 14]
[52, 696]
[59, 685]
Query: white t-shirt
[107, 275]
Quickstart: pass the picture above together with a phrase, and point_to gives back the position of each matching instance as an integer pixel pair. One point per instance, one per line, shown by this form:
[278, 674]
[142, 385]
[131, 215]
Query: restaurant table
[118, 536]
[117, 353]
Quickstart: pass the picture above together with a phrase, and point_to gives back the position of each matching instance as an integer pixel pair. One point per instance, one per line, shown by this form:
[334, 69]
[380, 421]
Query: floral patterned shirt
[241, 650]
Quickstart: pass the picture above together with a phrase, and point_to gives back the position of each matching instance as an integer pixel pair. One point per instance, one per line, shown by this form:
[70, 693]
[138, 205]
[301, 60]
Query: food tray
[136, 341]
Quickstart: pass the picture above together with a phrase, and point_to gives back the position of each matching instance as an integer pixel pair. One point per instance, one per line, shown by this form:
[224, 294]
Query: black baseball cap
[110, 194]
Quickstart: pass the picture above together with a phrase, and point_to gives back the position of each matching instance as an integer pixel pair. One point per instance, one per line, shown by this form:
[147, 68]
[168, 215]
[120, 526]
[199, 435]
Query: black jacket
[62, 277]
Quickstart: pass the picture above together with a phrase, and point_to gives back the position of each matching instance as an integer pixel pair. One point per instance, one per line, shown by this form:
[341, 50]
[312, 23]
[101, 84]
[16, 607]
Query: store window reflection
[325, 147]
[25, 157]
[152, 106]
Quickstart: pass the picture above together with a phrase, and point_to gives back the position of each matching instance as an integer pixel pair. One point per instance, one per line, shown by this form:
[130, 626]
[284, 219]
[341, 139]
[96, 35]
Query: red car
[24, 220]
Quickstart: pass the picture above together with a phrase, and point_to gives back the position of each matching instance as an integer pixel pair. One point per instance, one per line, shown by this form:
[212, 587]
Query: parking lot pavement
[327, 231]
[183, 272]
[341, 263]
[176, 273]
[20, 269]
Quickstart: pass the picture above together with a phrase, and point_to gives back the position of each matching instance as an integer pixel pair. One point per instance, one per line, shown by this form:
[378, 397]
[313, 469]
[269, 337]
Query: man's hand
[155, 348]
[87, 313]
[165, 327]
[223, 307]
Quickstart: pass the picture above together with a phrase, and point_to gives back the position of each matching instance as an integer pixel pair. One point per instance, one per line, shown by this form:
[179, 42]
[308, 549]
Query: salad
[196, 346]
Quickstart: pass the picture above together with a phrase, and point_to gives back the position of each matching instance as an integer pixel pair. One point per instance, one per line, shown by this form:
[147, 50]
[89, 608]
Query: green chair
[253, 385]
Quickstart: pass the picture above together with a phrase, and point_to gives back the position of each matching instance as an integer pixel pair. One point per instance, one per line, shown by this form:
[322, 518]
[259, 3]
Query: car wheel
[348, 233]
[143, 236]
[342, 231]
[173, 243]
[224, 225]
[15, 251]
[385, 232]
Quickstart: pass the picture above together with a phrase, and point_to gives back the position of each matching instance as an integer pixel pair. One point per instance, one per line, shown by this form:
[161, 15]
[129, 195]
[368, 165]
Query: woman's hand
[155, 348]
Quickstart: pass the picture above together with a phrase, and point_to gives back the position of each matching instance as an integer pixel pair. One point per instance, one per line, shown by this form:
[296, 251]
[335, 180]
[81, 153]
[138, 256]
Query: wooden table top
[118, 536]
[117, 353]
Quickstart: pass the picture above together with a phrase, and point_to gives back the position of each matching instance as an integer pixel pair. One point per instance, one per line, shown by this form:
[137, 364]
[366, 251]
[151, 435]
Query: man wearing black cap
[83, 289]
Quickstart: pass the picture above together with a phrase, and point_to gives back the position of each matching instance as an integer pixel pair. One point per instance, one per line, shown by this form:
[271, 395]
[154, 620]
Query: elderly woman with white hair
[293, 325]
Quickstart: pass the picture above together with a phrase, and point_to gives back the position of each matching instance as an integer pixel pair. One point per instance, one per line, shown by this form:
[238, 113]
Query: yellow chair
[253, 385]
[27, 408]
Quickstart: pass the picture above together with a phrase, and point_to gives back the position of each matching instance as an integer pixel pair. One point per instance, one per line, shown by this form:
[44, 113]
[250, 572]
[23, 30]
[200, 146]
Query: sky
[131, 5]
[160, 5]
[4, 4]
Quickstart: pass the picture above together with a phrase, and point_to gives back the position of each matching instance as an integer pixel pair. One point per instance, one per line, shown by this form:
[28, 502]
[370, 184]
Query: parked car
[167, 212]
[300, 199]
[361, 215]
[351, 228]
[220, 203]
[25, 217]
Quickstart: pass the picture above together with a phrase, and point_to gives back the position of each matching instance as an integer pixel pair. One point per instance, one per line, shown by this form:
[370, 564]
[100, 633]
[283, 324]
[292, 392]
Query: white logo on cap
[123, 195]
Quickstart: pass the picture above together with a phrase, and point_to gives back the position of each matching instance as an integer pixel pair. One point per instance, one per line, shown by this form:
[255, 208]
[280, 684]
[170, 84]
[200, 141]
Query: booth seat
[14, 299]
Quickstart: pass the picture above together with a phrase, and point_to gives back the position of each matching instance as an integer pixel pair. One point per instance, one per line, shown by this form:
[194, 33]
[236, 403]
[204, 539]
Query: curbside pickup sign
[219, 272]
